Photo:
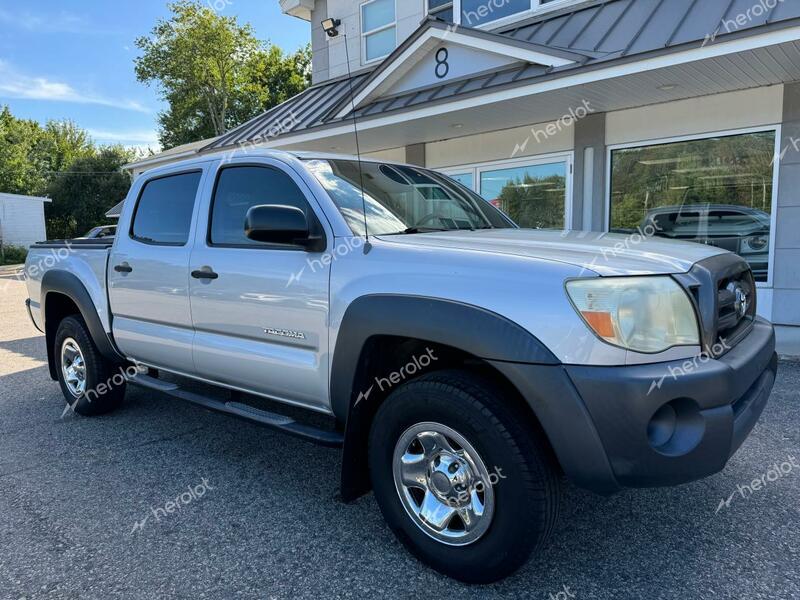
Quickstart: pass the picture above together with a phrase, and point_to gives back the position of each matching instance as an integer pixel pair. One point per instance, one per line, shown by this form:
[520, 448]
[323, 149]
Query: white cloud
[141, 138]
[18, 85]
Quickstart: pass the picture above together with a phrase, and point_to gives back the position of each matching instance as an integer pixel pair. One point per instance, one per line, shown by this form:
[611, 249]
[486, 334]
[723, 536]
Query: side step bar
[323, 437]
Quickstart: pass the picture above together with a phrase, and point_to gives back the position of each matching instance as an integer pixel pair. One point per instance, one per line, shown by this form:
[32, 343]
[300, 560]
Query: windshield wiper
[424, 229]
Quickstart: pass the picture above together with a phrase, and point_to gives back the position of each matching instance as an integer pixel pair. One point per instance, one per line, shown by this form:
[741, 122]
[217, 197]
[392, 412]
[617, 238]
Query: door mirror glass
[277, 224]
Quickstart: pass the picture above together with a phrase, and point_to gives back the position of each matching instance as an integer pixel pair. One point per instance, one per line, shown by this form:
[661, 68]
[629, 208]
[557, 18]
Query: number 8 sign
[442, 66]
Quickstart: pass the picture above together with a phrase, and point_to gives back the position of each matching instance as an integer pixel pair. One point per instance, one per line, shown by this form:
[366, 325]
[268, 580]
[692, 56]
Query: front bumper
[651, 425]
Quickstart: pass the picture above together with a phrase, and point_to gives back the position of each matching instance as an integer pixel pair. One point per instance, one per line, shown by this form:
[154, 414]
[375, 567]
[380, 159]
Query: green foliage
[214, 73]
[30, 153]
[728, 170]
[83, 194]
[12, 255]
[60, 161]
[537, 203]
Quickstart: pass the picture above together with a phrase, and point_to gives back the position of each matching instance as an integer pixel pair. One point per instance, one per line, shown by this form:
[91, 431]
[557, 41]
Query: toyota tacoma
[465, 366]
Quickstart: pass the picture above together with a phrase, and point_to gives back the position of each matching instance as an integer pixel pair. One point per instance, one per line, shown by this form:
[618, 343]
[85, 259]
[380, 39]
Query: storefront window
[533, 196]
[715, 191]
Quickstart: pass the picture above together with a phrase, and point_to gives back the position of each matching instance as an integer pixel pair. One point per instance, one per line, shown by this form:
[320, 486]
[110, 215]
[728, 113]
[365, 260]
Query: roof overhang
[298, 8]
[484, 51]
[626, 83]
[5, 196]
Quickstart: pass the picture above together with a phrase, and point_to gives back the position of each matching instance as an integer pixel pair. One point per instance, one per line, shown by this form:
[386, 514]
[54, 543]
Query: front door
[260, 311]
[148, 273]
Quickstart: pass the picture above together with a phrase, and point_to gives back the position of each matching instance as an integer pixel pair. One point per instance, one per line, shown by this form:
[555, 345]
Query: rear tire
[89, 382]
[478, 431]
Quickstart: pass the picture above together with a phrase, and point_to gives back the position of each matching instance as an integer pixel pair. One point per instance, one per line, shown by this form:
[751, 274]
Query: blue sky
[74, 60]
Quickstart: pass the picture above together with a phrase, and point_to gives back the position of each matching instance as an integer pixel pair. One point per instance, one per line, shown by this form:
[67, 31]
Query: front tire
[462, 477]
[88, 381]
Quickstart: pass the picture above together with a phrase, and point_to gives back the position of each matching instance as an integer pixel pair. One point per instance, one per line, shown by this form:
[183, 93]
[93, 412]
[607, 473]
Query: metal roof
[115, 211]
[307, 109]
[599, 31]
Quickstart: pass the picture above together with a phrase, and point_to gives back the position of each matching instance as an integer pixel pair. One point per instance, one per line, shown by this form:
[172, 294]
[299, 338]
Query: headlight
[755, 244]
[643, 314]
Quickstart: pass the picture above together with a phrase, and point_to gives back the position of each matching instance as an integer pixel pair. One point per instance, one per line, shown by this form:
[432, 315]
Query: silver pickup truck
[466, 365]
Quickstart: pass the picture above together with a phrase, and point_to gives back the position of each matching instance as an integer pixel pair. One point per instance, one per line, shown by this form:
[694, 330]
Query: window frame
[537, 8]
[313, 220]
[477, 169]
[776, 128]
[366, 34]
[139, 240]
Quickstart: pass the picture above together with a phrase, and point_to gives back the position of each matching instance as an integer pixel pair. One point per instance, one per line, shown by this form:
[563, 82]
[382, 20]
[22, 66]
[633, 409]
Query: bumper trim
[724, 397]
[599, 419]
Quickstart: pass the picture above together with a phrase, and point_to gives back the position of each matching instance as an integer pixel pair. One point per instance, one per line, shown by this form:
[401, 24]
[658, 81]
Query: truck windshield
[402, 199]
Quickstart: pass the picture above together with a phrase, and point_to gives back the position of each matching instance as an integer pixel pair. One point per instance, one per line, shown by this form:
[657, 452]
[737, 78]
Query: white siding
[720, 112]
[409, 14]
[21, 220]
[500, 145]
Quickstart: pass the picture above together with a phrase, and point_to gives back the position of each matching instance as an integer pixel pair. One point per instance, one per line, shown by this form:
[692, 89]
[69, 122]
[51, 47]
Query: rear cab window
[163, 214]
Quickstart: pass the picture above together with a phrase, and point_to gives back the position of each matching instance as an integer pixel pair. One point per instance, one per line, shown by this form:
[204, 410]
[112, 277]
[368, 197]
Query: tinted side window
[164, 212]
[240, 188]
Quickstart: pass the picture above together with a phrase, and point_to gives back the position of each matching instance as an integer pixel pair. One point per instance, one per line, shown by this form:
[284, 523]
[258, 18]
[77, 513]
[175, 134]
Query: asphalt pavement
[166, 500]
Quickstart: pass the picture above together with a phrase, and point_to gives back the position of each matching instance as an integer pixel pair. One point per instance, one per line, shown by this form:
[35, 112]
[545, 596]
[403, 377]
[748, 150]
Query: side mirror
[279, 224]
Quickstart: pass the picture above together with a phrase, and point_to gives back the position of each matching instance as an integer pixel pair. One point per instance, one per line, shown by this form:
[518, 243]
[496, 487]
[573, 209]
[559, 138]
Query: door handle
[123, 268]
[206, 273]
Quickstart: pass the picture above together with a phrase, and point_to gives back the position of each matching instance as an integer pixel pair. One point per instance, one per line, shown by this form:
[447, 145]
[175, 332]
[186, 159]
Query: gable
[439, 53]
[447, 62]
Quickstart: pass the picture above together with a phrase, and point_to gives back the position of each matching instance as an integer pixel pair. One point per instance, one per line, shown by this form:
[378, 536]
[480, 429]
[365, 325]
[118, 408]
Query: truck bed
[87, 259]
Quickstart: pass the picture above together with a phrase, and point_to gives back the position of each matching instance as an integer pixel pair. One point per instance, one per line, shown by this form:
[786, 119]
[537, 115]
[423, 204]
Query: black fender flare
[468, 328]
[69, 285]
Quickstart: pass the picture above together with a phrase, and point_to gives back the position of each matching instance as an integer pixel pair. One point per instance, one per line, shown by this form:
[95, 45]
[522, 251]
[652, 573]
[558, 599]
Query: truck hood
[606, 254]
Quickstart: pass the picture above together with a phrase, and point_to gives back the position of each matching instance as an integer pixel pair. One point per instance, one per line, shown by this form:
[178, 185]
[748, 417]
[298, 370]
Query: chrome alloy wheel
[443, 484]
[73, 367]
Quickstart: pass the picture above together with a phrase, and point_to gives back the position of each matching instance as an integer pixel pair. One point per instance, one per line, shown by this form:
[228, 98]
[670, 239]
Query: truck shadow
[275, 501]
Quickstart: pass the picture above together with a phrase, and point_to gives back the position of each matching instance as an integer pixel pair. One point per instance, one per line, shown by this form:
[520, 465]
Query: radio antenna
[331, 28]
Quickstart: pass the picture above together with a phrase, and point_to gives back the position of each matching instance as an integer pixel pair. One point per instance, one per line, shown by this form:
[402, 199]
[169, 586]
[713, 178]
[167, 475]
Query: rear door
[260, 311]
[149, 272]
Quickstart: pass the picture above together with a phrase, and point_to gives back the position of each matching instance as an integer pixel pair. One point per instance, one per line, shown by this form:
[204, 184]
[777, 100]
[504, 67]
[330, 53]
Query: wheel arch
[407, 326]
[62, 295]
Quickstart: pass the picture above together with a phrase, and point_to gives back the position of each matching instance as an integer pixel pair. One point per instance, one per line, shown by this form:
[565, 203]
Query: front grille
[736, 306]
[724, 291]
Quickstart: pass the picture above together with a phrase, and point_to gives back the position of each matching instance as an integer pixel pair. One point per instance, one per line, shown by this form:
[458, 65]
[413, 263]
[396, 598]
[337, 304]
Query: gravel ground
[267, 522]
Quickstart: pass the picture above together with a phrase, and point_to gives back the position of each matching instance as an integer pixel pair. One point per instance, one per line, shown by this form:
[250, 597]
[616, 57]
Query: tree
[30, 153]
[214, 73]
[83, 194]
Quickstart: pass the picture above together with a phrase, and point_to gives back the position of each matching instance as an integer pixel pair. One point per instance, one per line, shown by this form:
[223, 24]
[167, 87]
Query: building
[675, 116]
[22, 220]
